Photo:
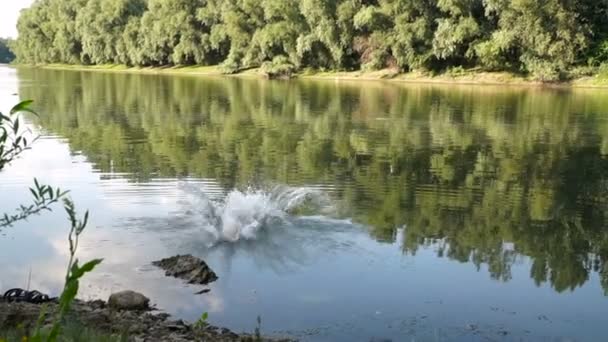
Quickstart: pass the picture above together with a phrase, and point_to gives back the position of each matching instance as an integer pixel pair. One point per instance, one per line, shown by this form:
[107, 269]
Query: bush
[599, 54]
[542, 70]
[582, 71]
[230, 67]
[279, 68]
[456, 71]
[602, 72]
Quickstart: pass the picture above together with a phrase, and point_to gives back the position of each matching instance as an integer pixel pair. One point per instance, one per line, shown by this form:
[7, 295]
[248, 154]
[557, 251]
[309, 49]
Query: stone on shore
[129, 300]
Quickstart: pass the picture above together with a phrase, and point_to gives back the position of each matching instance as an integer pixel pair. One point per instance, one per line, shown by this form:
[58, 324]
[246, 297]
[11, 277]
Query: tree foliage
[544, 38]
[6, 54]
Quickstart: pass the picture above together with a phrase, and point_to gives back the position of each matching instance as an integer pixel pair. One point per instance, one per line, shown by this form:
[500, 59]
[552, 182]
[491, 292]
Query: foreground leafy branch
[74, 271]
[12, 144]
[44, 197]
[13, 141]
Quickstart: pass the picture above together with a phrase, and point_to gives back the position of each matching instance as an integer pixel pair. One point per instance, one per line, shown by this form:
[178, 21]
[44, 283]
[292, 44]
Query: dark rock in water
[129, 300]
[187, 267]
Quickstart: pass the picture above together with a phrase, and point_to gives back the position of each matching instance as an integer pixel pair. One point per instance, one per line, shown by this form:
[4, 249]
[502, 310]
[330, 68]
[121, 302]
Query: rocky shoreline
[127, 314]
[132, 325]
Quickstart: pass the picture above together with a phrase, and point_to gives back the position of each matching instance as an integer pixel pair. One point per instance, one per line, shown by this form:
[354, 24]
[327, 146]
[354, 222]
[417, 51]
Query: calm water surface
[335, 211]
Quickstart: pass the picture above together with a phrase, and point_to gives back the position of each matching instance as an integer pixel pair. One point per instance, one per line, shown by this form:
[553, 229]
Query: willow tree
[171, 33]
[101, 25]
[460, 25]
[542, 38]
[279, 35]
[35, 43]
[6, 54]
[320, 46]
[236, 22]
[67, 45]
[546, 37]
[399, 32]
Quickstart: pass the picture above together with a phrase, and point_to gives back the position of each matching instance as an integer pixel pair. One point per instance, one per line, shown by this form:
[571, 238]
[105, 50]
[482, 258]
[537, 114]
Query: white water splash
[240, 215]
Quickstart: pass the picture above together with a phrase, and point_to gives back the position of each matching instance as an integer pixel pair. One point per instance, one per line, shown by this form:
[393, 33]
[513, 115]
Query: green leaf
[16, 126]
[23, 107]
[79, 272]
[34, 194]
[69, 293]
[40, 321]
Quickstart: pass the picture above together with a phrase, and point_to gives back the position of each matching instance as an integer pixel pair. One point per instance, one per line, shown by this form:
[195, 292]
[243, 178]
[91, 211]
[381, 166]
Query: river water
[333, 211]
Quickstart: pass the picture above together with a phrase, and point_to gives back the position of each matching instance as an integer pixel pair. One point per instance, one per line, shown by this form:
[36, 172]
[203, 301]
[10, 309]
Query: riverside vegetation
[546, 40]
[6, 54]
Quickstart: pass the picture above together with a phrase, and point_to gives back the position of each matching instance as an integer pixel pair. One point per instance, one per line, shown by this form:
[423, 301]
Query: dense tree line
[6, 54]
[465, 169]
[545, 38]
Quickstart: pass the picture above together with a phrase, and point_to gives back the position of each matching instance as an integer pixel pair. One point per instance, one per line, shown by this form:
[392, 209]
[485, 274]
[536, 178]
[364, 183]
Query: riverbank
[96, 321]
[462, 77]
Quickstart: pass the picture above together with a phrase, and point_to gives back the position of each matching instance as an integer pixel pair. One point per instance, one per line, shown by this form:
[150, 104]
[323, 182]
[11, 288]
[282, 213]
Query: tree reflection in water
[488, 174]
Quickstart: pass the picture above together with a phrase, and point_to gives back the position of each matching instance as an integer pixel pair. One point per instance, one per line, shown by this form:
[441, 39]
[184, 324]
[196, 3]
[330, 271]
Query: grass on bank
[71, 332]
[457, 75]
[581, 77]
[590, 77]
[596, 76]
[209, 70]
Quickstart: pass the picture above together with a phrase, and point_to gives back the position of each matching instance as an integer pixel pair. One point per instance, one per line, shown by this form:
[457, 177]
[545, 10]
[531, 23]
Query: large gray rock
[187, 267]
[129, 300]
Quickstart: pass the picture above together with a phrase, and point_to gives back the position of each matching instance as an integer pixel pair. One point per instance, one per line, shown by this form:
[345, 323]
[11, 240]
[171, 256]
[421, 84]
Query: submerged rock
[187, 267]
[129, 300]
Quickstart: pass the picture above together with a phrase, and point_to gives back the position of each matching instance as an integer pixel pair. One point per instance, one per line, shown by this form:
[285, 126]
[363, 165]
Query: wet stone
[187, 267]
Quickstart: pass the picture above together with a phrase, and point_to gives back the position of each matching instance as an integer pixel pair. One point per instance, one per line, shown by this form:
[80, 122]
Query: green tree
[457, 29]
[545, 39]
[172, 33]
[400, 32]
[278, 36]
[6, 53]
[101, 25]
